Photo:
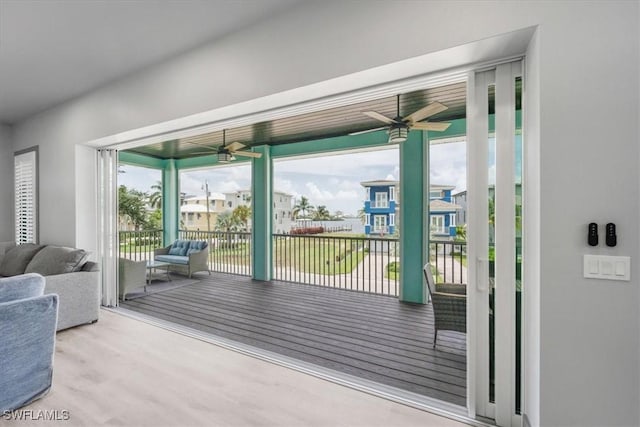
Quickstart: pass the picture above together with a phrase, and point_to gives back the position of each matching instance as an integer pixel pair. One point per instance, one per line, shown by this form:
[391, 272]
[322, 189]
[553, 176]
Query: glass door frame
[503, 408]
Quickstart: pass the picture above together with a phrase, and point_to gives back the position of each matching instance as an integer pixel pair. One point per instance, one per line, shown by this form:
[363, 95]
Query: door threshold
[394, 394]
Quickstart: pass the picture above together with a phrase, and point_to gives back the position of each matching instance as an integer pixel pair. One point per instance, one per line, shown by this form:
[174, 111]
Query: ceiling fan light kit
[398, 134]
[225, 157]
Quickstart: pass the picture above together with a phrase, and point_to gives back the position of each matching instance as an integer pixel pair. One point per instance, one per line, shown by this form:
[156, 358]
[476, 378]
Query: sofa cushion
[179, 247]
[21, 287]
[16, 259]
[196, 246]
[4, 247]
[173, 259]
[53, 260]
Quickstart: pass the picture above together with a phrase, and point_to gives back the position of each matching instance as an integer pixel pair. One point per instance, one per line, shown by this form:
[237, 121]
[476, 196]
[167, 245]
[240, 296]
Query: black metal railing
[139, 245]
[356, 263]
[449, 259]
[229, 252]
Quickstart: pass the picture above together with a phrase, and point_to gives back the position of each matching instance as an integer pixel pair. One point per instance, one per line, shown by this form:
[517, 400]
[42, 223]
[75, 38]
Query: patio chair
[132, 275]
[449, 304]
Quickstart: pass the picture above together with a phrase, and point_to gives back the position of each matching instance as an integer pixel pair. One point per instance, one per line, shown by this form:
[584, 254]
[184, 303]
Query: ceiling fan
[227, 153]
[399, 127]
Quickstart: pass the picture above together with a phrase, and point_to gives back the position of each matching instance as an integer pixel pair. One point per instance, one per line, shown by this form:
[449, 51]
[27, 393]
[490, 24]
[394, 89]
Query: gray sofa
[67, 274]
[27, 327]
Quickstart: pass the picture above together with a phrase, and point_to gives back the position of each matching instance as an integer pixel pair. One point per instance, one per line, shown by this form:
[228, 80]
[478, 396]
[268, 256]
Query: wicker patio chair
[449, 304]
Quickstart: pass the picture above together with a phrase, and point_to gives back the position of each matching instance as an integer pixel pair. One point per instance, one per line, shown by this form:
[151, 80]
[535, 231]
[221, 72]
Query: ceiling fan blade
[435, 126]
[428, 111]
[235, 146]
[378, 116]
[247, 154]
[367, 131]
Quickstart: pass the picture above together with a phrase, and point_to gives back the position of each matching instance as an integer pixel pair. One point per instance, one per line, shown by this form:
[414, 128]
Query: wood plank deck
[370, 336]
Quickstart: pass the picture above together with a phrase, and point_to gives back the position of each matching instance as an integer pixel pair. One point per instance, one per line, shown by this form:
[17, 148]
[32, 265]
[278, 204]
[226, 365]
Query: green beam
[261, 186]
[140, 160]
[205, 161]
[170, 201]
[414, 191]
[326, 145]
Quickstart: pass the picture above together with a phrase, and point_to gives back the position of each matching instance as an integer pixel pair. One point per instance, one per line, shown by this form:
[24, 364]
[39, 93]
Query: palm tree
[242, 214]
[302, 207]
[227, 222]
[361, 215]
[155, 198]
[321, 213]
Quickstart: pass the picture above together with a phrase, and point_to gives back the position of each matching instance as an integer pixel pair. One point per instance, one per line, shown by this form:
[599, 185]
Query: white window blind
[26, 196]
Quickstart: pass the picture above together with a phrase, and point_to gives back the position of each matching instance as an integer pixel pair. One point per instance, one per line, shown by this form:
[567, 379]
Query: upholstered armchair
[27, 340]
[449, 302]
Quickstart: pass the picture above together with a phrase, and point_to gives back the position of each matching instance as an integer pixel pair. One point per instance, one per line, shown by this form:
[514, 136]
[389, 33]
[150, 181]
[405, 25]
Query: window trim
[437, 228]
[376, 203]
[36, 196]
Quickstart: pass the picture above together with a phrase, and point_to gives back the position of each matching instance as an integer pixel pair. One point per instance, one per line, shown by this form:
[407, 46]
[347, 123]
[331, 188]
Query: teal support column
[261, 183]
[170, 201]
[414, 199]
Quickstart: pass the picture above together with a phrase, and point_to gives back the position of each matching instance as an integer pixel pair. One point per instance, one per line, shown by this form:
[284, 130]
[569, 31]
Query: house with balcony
[381, 205]
[194, 214]
[443, 212]
[282, 210]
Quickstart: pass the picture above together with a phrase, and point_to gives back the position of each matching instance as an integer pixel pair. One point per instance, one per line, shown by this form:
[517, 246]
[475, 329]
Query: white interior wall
[6, 184]
[589, 340]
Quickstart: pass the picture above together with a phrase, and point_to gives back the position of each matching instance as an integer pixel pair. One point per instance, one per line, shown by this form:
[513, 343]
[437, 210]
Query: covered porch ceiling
[328, 123]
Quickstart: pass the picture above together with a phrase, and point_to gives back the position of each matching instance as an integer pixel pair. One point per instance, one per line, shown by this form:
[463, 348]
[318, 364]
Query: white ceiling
[52, 51]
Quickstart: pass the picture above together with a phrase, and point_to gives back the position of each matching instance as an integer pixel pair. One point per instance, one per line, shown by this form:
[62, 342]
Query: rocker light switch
[607, 267]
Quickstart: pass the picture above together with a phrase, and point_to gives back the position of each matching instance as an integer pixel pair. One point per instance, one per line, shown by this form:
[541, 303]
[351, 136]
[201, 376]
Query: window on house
[381, 200]
[392, 220]
[437, 223]
[367, 219]
[367, 194]
[392, 194]
[452, 220]
[435, 195]
[26, 196]
[380, 223]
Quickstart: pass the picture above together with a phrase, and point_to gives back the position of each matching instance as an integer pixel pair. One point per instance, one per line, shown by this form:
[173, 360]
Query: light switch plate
[607, 267]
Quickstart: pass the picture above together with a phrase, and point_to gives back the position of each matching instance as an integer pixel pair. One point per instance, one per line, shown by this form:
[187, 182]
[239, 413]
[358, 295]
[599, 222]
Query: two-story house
[282, 210]
[382, 202]
[380, 206]
[194, 212]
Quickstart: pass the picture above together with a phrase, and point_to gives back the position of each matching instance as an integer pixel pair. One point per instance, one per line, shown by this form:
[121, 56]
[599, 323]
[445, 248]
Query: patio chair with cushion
[185, 256]
[449, 304]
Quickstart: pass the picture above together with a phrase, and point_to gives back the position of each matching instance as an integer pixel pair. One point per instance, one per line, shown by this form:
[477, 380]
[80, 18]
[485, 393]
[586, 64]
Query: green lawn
[323, 256]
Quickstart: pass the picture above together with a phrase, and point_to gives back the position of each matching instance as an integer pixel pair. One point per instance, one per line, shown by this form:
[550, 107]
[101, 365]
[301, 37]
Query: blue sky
[331, 180]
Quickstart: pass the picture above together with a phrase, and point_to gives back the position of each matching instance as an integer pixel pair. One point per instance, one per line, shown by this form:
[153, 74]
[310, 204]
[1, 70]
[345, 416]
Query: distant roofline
[249, 191]
[379, 182]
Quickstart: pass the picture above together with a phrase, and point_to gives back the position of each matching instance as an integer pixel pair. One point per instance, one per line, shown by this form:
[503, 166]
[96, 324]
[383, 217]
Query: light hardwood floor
[121, 371]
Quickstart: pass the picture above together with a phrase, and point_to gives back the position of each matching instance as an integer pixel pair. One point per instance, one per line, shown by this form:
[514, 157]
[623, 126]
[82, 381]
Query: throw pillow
[54, 260]
[16, 259]
[196, 246]
[179, 247]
